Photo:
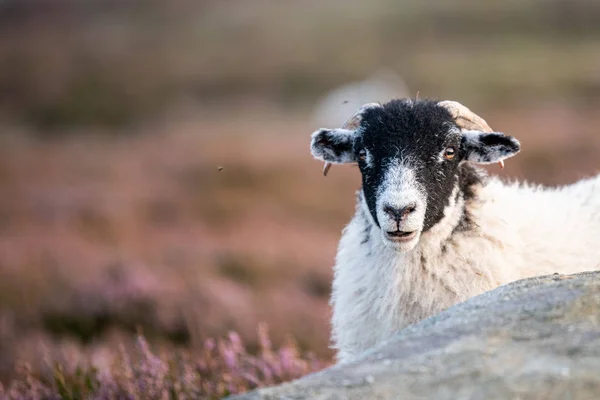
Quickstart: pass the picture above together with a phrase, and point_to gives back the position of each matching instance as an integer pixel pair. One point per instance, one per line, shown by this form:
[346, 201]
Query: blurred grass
[221, 368]
[108, 236]
[114, 63]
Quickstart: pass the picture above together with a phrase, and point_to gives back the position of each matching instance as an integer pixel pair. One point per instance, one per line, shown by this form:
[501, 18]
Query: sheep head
[412, 155]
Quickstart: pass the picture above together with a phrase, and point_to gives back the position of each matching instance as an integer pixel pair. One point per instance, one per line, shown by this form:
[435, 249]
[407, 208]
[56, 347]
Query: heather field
[181, 234]
[188, 232]
[164, 232]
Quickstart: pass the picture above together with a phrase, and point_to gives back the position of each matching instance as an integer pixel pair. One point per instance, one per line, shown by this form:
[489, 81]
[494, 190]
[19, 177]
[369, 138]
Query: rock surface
[537, 338]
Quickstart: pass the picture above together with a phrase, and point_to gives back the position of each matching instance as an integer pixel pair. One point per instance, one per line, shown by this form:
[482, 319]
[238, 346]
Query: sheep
[431, 229]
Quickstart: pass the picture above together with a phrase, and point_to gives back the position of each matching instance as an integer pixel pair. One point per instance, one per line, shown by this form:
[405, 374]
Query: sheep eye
[449, 153]
[362, 155]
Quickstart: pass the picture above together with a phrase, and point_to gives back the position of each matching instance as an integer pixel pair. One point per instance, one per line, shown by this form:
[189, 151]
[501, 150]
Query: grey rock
[537, 338]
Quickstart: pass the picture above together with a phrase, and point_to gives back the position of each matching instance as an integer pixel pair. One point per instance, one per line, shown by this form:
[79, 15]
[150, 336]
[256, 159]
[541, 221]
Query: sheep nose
[399, 213]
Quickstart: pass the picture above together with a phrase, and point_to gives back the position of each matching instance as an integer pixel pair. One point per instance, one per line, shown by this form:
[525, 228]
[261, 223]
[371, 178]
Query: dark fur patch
[470, 178]
[366, 235]
[367, 229]
[493, 139]
[489, 147]
[413, 132]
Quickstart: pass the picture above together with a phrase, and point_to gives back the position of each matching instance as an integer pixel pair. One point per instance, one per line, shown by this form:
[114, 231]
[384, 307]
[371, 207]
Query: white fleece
[516, 231]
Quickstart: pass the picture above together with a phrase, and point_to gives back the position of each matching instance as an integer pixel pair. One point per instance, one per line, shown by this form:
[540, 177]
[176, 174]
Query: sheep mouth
[401, 236]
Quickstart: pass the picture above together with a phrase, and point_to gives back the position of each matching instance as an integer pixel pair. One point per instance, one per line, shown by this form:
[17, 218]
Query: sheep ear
[336, 146]
[487, 148]
[333, 145]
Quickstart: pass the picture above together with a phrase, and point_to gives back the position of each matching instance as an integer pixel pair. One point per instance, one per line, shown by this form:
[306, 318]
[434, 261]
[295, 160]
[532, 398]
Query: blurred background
[155, 174]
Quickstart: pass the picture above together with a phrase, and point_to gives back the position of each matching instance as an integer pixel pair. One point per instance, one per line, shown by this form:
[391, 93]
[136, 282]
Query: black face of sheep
[410, 154]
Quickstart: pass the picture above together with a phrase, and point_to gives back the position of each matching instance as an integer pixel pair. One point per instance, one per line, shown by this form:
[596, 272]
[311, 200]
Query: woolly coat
[513, 231]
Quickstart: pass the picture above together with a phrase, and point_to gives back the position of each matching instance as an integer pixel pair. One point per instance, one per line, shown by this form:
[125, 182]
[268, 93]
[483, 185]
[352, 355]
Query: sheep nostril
[399, 213]
[409, 209]
[391, 211]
